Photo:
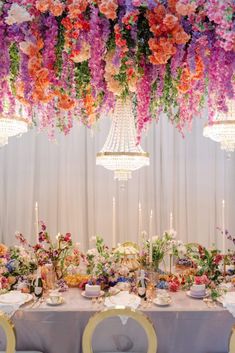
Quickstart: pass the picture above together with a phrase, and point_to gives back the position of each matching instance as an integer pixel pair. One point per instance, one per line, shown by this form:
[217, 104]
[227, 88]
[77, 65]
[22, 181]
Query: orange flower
[42, 80]
[170, 21]
[172, 5]
[162, 50]
[43, 5]
[65, 102]
[34, 64]
[180, 36]
[19, 86]
[188, 78]
[3, 250]
[77, 7]
[108, 8]
[41, 95]
[159, 13]
[56, 8]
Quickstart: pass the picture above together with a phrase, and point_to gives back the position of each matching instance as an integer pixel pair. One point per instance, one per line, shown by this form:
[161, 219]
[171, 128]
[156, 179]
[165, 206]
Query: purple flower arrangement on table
[68, 60]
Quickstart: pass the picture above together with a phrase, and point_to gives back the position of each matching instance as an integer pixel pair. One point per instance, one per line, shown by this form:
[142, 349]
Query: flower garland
[70, 59]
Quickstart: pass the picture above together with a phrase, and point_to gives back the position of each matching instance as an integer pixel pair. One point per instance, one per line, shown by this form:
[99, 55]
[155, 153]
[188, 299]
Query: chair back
[8, 329]
[232, 341]
[138, 316]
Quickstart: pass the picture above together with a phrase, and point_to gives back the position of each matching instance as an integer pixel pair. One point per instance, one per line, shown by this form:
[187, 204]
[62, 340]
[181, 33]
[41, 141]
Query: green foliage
[82, 77]
[59, 47]
[143, 35]
[14, 64]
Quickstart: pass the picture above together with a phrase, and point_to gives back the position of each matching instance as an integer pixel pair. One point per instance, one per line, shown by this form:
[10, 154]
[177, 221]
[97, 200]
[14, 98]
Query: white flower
[173, 233]
[155, 238]
[17, 14]
[182, 249]
[92, 252]
[93, 239]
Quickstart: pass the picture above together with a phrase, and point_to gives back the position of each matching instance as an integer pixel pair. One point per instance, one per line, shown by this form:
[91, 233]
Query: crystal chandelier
[120, 152]
[12, 125]
[222, 129]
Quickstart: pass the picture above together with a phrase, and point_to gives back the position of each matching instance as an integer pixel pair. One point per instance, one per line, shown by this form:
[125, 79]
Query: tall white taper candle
[223, 225]
[151, 237]
[36, 222]
[140, 225]
[171, 221]
[114, 223]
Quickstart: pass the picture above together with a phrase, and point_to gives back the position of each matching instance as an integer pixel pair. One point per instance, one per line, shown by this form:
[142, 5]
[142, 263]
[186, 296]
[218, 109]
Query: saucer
[83, 293]
[49, 302]
[160, 303]
[198, 296]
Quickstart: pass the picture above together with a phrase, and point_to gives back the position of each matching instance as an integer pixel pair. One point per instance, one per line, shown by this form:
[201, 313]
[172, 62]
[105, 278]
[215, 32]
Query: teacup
[163, 299]
[55, 298]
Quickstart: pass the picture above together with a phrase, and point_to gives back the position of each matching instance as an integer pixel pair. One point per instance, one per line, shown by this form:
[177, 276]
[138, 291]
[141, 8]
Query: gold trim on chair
[232, 341]
[138, 316]
[8, 329]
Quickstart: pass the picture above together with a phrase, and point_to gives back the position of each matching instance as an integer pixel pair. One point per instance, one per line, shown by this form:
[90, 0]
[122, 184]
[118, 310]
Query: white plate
[83, 293]
[49, 302]
[157, 302]
[124, 299]
[15, 297]
[197, 296]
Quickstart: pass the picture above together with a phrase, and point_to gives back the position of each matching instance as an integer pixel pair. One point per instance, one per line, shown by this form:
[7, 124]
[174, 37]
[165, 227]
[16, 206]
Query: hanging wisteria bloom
[69, 60]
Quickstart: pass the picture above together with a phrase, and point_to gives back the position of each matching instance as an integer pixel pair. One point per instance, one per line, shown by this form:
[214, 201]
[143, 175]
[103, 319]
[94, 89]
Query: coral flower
[170, 21]
[43, 78]
[43, 5]
[3, 250]
[77, 7]
[185, 9]
[34, 64]
[65, 102]
[56, 8]
[108, 8]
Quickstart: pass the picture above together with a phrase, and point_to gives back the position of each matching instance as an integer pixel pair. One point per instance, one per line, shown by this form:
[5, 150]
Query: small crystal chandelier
[222, 129]
[12, 125]
[120, 152]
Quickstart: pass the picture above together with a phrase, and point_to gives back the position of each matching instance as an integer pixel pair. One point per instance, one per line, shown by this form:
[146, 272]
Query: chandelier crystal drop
[14, 125]
[120, 152]
[222, 129]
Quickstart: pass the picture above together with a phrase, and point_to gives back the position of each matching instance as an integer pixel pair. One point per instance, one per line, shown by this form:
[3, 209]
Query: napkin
[228, 301]
[123, 298]
[11, 301]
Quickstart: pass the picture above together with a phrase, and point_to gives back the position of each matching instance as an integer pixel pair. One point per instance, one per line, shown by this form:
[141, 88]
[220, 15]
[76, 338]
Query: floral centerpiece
[162, 246]
[71, 59]
[59, 253]
[103, 265]
[16, 265]
[207, 261]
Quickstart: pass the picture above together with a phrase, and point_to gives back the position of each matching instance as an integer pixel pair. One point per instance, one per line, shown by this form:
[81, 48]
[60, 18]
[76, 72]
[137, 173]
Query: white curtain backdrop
[188, 177]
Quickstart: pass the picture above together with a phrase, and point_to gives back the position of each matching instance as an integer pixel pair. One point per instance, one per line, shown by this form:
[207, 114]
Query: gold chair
[232, 341]
[138, 316]
[8, 329]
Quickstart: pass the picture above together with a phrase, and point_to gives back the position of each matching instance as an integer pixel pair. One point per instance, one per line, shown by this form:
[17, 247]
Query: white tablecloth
[188, 325]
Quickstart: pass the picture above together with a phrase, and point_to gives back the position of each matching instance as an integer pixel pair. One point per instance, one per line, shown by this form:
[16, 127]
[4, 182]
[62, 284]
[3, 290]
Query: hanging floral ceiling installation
[70, 60]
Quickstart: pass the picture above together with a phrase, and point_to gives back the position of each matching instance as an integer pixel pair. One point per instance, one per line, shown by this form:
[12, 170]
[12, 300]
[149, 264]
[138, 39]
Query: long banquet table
[187, 325]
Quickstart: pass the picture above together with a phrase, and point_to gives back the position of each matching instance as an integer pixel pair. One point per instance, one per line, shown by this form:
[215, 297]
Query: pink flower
[174, 285]
[201, 280]
[67, 237]
[17, 14]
